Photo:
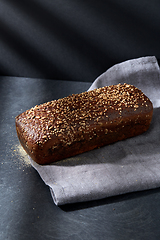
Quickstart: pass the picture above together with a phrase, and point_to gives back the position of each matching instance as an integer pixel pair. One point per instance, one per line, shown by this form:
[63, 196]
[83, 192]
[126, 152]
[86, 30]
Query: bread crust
[81, 122]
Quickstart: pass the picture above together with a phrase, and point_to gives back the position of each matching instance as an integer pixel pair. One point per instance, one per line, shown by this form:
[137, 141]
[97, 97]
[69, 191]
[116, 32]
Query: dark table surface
[27, 210]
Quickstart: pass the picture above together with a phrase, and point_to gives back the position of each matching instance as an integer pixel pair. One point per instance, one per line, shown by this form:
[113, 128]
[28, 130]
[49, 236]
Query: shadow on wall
[74, 40]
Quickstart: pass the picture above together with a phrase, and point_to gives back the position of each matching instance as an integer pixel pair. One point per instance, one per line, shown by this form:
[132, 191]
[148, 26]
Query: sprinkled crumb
[22, 156]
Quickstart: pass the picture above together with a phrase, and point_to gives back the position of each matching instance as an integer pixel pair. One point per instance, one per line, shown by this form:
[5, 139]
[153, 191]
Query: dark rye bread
[81, 122]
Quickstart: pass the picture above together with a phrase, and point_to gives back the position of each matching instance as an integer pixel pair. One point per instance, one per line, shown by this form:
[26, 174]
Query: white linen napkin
[122, 167]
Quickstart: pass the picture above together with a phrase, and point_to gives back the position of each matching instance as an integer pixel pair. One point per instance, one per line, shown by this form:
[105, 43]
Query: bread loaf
[81, 122]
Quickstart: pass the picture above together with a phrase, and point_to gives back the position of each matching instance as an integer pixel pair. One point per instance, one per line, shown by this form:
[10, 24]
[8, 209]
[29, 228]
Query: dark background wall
[75, 39]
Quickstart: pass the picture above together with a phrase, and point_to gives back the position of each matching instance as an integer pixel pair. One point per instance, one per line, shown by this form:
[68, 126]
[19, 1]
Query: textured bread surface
[81, 122]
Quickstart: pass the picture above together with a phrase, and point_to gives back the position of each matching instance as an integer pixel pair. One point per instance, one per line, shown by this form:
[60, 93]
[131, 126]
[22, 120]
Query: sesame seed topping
[81, 116]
